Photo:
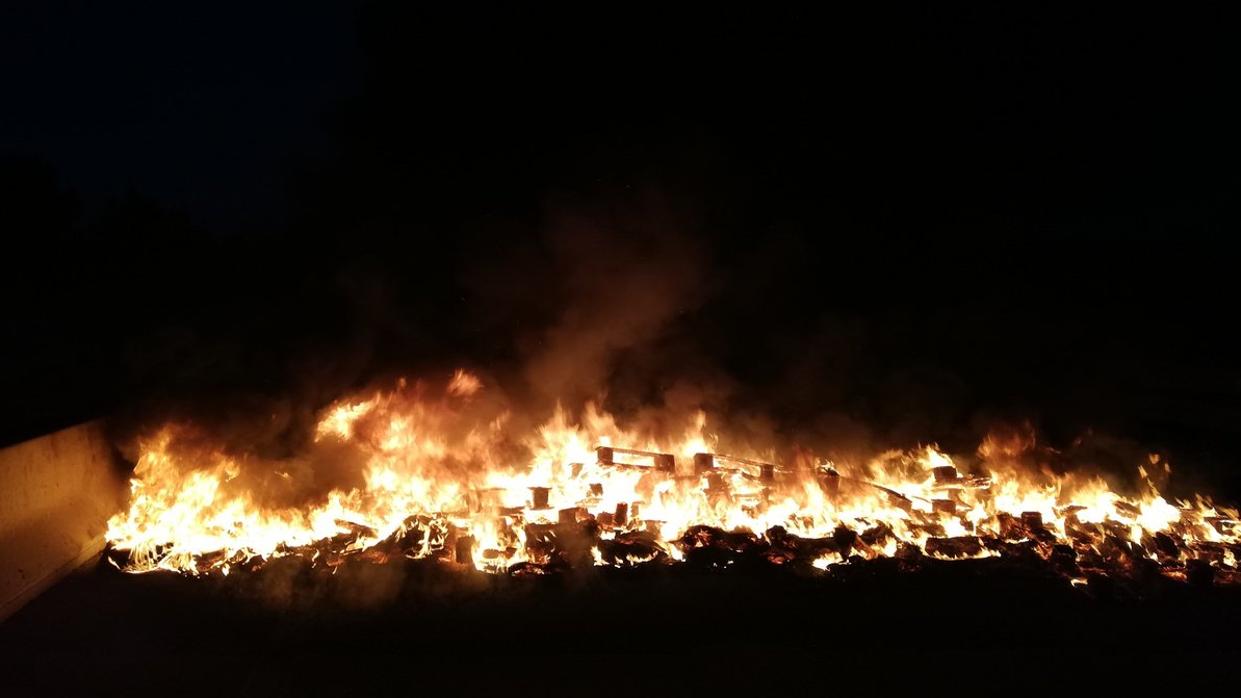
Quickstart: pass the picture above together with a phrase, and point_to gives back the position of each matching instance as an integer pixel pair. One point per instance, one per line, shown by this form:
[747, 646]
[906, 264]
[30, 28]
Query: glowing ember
[444, 477]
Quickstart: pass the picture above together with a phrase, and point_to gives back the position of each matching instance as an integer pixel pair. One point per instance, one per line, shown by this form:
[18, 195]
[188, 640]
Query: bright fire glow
[434, 479]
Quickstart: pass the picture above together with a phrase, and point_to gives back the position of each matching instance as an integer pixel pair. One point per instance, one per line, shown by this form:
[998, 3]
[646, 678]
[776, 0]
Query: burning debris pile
[447, 476]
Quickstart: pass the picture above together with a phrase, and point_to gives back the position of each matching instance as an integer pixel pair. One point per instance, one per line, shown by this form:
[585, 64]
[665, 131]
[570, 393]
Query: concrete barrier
[56, 494]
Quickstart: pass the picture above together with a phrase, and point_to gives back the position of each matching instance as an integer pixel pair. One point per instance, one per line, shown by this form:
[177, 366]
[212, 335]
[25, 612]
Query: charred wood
[960, 546]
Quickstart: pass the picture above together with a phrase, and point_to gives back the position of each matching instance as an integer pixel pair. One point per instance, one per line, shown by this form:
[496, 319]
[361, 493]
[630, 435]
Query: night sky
[206, 110]
[905, 225]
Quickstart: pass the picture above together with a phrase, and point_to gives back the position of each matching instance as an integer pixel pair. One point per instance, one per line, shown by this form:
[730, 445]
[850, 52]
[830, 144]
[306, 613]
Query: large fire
[440, 477]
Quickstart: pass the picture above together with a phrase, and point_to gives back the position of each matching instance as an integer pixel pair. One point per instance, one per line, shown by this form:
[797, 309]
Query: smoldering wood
[529, 569]
[1227, 576]
[1025, 551]
[375, 555]
[1029, 525]
[1200, 573]
[709, 536]
[1064, 559]
[1147, 576]
[539, 497]
[958, 546]
[877, 534]
[464, 550]
[1119, 551]
[1088, 557]
[908, 551]
[211, 560]
[1166, 547]
[629, 546]
[776, 534]
[844, 538]
[1209, 551]
[333, 551]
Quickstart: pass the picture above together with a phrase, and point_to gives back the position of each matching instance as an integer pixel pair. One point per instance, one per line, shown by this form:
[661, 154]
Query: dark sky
[213, 110]
[899, 223]
[204, 108]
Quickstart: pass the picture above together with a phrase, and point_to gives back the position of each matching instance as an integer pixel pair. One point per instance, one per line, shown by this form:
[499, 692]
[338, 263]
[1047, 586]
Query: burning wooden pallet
[703, 463]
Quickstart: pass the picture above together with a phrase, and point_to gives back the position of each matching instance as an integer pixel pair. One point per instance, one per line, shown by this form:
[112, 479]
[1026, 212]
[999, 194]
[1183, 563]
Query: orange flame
[437, 481]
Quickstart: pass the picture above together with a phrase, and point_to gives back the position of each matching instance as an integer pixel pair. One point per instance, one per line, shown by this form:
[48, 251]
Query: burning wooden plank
[664, 462]
[830, 480]
[707, 462]
[356, 529]
[947, 477]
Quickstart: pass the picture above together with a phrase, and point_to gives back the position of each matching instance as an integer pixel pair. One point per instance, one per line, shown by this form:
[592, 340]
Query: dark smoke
[622, 282]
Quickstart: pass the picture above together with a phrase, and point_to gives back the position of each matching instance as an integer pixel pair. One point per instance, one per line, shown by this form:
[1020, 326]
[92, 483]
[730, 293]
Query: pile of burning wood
[442, 476]
[539, 539]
